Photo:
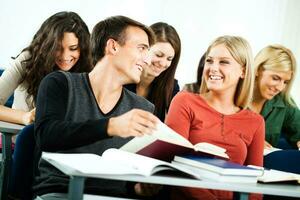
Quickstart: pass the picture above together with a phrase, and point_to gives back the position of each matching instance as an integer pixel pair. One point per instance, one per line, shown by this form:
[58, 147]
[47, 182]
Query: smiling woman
[219, 114]
[68, 55]
[157, 83]
[275, 68]
[62, 42]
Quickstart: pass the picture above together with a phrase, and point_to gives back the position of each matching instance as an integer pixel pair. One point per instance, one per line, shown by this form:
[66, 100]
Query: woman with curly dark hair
[61, 43]
[157, 83]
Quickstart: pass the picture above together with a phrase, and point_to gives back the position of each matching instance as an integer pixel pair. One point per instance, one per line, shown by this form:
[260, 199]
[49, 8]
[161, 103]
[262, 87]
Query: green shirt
[281, 117]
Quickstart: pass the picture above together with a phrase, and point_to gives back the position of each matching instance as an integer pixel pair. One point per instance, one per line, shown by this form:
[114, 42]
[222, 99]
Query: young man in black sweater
[91, 112]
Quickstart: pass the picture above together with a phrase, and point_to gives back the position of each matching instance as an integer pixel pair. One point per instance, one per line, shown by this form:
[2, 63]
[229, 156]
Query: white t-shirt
[10, 83]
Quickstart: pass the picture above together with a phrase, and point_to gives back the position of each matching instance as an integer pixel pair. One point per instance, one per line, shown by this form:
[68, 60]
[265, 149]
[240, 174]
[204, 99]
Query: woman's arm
[9, 81]
[291, 126]
[16, 116]
[256, 148]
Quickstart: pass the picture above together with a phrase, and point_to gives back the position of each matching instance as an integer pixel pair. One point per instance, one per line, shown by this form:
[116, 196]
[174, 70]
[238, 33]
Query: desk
[7, 130]
[76, 185]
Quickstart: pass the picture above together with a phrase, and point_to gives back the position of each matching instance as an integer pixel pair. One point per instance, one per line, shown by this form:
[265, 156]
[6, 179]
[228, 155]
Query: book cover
[216, 165]
[112, 162]
[165, 143]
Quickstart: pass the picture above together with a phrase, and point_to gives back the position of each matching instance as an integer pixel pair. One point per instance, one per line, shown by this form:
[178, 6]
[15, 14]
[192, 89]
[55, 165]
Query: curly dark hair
[161, 90]
[45, 43]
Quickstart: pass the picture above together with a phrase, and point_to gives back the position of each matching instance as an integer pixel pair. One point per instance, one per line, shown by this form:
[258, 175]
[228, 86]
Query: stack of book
[207, 161]
[218, 169]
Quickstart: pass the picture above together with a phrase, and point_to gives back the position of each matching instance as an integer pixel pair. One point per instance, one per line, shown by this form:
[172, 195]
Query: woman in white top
[61, 43]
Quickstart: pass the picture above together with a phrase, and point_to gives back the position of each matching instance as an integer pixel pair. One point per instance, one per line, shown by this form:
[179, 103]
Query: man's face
[133, 55]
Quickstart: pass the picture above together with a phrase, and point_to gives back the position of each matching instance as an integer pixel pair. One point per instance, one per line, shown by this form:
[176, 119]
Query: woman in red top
[219, 114]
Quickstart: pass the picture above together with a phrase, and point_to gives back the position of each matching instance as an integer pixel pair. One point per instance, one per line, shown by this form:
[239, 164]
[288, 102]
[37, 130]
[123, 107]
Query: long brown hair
[161, 89]
[47, 41]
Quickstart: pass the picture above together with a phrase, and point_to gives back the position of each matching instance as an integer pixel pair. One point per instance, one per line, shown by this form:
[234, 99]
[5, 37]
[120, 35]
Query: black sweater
[68, 120]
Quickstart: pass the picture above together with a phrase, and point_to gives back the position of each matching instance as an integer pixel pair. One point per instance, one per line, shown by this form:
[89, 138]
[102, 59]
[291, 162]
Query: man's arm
[52, 131]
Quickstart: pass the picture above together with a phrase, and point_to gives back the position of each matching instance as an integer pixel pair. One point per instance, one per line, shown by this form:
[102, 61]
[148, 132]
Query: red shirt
[241, 134]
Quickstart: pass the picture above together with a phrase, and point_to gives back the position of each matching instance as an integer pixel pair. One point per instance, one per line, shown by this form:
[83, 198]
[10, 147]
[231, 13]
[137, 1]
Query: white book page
[166, 134]
[144, 165]
[74, 164]
[212, 149]
[162, 132]
[276, 175]
[270, 150]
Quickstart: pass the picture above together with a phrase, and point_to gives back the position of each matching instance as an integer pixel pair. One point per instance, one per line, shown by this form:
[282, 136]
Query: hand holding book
[165, 143]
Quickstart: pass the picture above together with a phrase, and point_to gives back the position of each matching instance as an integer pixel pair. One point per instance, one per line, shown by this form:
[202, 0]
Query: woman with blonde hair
[275, 71]
[219, 114]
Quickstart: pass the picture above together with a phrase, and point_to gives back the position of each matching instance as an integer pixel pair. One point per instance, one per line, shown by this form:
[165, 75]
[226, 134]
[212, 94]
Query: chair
[10, 100]
[23, 167]
[7, 130]
[18, 171]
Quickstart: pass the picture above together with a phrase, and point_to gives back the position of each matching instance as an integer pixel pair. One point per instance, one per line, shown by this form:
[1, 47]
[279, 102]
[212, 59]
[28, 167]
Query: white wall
[198, 22]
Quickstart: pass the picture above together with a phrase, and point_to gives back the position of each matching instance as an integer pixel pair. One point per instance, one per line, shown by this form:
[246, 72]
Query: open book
[164, 143]
[270, 150]
[272, 175]
[112, 162]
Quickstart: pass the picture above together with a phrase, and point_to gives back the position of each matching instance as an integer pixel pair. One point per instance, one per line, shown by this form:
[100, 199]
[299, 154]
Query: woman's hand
[268, 145]
[29, 117]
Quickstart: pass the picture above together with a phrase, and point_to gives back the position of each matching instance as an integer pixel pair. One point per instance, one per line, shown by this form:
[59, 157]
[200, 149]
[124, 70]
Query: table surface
[280, 189]
[12, 128]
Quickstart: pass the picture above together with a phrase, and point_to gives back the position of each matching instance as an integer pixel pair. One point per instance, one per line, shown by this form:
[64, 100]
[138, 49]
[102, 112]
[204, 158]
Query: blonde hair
[277, 58]
[241, 51]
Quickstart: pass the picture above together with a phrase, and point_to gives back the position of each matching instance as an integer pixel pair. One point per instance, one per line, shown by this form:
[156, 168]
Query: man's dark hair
[113, 28]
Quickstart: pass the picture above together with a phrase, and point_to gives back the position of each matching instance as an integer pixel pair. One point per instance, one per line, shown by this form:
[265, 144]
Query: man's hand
[298, 144]
[29, 117]
[132, 123]
[147, 189]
